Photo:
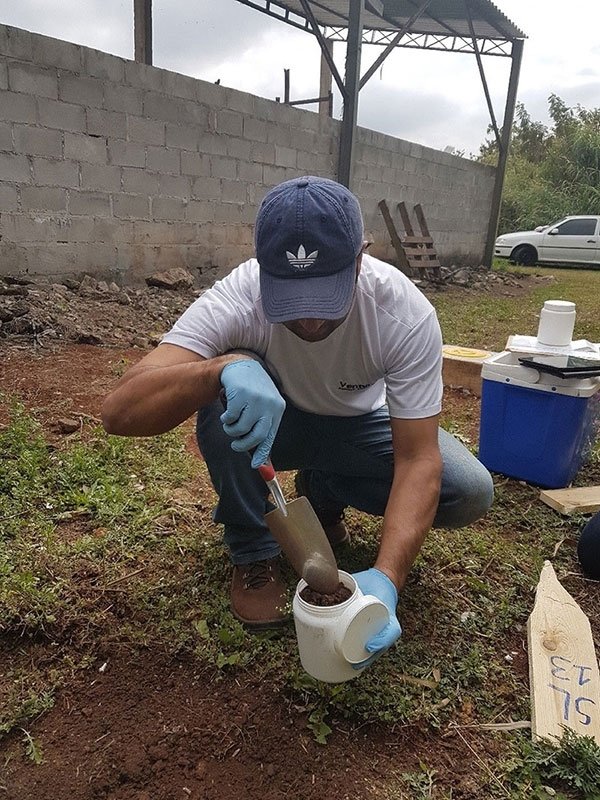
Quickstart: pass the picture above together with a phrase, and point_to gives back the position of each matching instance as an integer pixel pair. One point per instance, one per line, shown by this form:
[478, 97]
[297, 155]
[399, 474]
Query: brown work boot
[258, 594]
[332, 521]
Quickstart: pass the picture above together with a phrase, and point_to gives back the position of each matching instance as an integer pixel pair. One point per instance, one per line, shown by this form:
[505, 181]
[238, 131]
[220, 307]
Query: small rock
[123, 299]
[6, 314]
[177, 278]
[87, 337]
[114, 288]
[18, 291]
[20, 308]
[102, 287]
[71, 284]
[140, 341]
[68, 425]
[88, 285]
[17, 280]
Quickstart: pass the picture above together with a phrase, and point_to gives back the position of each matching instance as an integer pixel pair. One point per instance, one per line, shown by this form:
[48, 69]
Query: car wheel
[524, 254]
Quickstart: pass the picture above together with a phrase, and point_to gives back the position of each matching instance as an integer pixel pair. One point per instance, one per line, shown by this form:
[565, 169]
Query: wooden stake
[563, 668]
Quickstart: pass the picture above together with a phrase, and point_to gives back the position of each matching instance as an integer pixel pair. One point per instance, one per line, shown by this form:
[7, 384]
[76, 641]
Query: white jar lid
[559, 305]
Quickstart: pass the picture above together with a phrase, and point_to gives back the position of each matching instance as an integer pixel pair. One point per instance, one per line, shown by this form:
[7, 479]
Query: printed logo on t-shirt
[353, 387]
[302, 261]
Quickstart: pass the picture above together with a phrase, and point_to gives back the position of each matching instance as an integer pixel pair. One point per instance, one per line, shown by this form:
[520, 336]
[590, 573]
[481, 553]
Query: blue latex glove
[254, 408]
[373, 581]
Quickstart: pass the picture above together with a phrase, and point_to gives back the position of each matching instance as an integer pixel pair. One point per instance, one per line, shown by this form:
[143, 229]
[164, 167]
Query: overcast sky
[428, 97]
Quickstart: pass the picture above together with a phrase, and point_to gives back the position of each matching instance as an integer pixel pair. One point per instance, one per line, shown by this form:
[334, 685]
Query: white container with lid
[332, 638]
[557, 321]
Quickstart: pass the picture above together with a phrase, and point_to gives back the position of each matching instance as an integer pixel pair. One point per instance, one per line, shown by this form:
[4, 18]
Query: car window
[577, 227]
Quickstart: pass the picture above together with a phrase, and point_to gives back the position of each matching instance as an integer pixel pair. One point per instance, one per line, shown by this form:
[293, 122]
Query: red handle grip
[266, 471]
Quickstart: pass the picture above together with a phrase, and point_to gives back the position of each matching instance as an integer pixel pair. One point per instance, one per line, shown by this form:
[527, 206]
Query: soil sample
[341, 594]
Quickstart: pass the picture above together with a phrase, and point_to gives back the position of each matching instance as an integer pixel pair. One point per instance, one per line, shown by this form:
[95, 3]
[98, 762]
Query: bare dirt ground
[152, 727]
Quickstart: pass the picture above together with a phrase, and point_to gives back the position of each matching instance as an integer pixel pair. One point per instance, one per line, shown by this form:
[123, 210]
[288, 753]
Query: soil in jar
[341, 594]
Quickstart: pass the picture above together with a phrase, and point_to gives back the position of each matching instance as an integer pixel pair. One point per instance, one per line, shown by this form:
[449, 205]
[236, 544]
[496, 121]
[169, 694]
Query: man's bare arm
[414, 496]
[165, 388]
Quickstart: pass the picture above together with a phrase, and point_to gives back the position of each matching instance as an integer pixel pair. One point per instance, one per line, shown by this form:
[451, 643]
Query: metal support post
[509, 115]
[325, 82]
[353, 54]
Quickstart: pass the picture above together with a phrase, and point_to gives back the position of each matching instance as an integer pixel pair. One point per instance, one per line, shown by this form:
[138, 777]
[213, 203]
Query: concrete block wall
[118, 169]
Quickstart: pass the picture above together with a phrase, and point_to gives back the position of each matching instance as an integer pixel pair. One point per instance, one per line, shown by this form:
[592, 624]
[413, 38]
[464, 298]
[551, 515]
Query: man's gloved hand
[254, 408]
[373, 581]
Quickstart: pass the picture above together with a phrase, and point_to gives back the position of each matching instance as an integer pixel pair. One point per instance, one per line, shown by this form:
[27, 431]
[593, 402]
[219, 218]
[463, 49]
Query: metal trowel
[297, 529]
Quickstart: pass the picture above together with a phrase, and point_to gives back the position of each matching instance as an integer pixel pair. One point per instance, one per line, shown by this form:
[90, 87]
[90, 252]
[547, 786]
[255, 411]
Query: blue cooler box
[535, 427]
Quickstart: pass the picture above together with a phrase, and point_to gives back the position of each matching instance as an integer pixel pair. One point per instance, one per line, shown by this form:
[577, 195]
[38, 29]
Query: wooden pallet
[415, 253]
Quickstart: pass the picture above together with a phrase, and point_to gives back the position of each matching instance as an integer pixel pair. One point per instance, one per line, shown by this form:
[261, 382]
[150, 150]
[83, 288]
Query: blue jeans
[346, 461]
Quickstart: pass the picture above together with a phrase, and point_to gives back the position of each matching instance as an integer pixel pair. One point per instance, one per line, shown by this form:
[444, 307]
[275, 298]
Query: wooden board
[582, 500]
[461, 367]
[563, 667]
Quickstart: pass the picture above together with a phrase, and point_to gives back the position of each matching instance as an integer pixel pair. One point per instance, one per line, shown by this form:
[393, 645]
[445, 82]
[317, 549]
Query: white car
[573, 240]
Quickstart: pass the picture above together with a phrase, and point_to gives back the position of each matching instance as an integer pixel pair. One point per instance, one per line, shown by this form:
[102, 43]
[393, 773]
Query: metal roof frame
[464, 26]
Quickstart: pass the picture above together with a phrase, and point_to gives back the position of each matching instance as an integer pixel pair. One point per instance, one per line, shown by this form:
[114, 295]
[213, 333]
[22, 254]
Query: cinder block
[123, 98]
[22, 228]
[255, 129]
[131, 206]
[56, 53]
[31, 79]
[228, 212]
[213, 144]
[102, 178]
[274, 175]
[145, 131]
[200, 211]
[194, 163]
[49, 172]
[43, 198]
[137, 180]
[175, 186]
[207, 189]
[37, 141]
[184, 137]
[76, 229]
[16, 107]
[223, 167]
[229, 122]
[233, 192]
[104, 66]
[14, 168]
[91, 204]
[282, 135]
[162, 159]
[168, 208]
[82, 90]
[152, 232]
[143, 76]
[316, 163]
[16, 43]
[263, 153]
[126, 154]
[80, 147]
[285, 157]
[159, 106]
[106, 123]
[178, 85]
[63, 116]
[3, 77]
[250, 173]
[235, 100]
[240, 149]
[8, 197]
[6, 139]
[113, 230]
[211, 94]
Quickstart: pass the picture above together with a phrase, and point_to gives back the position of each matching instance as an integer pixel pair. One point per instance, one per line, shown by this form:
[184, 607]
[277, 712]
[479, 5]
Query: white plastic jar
[557, 322]
[332, 638]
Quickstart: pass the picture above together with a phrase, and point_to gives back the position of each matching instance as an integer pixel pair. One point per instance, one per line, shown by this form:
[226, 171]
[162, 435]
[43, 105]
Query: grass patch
[105, 541]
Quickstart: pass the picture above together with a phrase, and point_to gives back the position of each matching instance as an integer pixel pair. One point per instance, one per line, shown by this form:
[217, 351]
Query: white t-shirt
[388, 349]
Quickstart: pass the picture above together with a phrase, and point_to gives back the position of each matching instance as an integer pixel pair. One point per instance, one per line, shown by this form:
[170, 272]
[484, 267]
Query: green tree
[552, 171]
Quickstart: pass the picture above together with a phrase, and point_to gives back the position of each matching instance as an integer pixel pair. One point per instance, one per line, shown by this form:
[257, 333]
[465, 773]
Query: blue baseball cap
[309, 232]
